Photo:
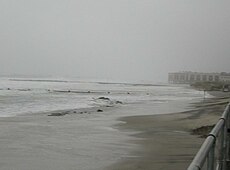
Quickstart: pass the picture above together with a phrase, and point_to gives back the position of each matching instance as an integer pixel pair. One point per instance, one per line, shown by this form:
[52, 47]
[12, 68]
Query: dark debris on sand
[203, 131]
[58, 114]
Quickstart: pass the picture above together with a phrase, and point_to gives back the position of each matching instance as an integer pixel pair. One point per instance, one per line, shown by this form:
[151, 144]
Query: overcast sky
[131, 40]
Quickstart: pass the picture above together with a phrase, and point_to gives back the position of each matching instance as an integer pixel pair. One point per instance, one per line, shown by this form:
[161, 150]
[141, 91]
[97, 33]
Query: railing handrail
[208, 146]
[201, 155]
[216, 130]
[226, 112]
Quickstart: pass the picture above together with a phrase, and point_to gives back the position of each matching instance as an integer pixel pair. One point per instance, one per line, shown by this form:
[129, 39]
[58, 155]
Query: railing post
[226, 143]
[228, 137]
[210, 158]
[221, 161]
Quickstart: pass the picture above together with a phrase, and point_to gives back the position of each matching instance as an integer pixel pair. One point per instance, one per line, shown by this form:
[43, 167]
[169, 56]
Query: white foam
[20, 97]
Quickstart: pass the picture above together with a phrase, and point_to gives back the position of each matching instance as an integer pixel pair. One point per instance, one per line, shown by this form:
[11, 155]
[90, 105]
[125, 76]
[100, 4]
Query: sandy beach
[84, 140]
[170, 141]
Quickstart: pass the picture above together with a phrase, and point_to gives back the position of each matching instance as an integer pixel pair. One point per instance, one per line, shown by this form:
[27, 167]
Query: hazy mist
[121, 40]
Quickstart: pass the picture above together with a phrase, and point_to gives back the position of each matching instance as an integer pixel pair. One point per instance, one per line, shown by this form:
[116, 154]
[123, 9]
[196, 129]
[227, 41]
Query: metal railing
[214, 152]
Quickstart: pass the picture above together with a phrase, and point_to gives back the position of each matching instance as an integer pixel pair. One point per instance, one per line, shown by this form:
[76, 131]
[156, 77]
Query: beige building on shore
[188, 77]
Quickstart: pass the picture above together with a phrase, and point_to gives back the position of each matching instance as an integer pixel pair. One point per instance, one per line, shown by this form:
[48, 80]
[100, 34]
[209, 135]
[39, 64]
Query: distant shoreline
[98, 82]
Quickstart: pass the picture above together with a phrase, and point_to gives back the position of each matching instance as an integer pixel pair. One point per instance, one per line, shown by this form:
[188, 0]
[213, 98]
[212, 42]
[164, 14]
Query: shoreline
[170, 141]
[87, 140]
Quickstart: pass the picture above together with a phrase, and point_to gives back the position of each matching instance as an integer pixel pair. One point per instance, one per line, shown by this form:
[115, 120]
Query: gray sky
[133, 40]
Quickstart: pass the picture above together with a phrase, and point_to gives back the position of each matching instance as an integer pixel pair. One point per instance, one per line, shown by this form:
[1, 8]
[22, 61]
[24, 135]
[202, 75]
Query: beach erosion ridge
[115, 126]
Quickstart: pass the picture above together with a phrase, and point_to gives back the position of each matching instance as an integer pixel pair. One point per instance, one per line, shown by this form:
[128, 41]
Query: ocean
[33, 95]
[30, 139]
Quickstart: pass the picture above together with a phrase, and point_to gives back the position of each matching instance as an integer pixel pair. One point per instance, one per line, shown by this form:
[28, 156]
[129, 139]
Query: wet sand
[63, 140]
[170, 141]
